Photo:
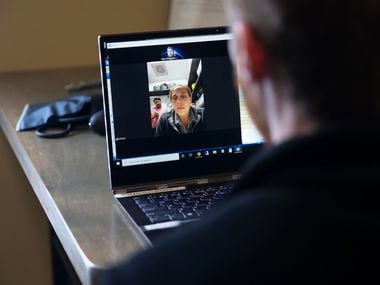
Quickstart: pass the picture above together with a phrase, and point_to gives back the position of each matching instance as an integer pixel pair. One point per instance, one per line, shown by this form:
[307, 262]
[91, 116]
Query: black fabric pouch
[62, 114]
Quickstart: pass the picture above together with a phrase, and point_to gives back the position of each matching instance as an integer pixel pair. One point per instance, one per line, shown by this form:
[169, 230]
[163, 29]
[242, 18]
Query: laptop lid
[146, 138]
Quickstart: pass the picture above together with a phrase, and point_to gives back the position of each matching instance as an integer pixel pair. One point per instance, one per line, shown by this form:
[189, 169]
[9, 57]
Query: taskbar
[185, 155]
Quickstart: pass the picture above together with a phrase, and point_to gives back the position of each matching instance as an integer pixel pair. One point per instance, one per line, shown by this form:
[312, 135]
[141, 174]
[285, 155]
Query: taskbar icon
[196, 154]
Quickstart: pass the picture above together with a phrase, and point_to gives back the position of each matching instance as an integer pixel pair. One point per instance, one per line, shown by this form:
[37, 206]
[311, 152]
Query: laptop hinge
[172, 185]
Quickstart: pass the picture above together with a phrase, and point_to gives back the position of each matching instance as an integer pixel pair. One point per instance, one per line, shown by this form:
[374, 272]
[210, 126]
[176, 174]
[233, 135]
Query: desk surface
[69, 176]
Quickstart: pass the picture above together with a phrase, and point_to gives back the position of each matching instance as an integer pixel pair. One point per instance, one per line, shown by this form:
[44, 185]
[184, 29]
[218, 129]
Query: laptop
[177, 129]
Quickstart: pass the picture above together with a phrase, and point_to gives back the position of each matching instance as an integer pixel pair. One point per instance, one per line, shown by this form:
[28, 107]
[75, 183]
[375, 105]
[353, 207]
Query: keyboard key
[189, 214]
[142, 201]
[161, 213]
[174, 207]
[202, 205]
[205, 200]
[201, 212]
[176, 217]
[155, 208]
[197, 196]
[159, 219]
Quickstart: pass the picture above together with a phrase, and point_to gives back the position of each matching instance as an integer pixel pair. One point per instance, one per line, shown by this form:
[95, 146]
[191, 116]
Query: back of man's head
[327, 49]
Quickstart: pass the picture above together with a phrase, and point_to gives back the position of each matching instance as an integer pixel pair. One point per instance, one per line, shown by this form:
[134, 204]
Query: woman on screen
[183, 118]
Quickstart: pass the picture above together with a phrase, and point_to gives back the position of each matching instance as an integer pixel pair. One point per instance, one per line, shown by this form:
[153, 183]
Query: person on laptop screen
[156, 111]
[183, 118]
[171, 54]
[307, 208]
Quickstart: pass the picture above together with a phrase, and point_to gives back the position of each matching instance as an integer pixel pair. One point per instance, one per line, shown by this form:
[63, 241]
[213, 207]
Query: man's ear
[250, 52]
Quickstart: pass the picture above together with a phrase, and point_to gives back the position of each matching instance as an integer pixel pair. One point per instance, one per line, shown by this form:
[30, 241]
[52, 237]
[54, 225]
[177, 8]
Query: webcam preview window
[176, 97]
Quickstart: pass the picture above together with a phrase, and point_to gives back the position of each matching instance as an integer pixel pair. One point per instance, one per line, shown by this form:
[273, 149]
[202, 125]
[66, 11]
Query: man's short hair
[179, 87]
[154, 100]
[329, 50]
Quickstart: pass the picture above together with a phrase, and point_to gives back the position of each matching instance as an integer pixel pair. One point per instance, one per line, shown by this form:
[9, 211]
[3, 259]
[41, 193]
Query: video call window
[176, 96]
[152, 99]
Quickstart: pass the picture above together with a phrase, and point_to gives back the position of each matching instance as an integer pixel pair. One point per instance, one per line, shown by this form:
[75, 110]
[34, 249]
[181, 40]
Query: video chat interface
[166, 75]
[139, 80]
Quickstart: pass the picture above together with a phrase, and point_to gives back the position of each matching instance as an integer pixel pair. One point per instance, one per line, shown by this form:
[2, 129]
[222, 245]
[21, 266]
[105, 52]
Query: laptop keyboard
[182, 205]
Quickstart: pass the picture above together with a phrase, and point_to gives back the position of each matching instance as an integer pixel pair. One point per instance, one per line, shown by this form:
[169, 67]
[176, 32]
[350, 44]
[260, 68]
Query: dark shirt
[170, 125]
[305, 212]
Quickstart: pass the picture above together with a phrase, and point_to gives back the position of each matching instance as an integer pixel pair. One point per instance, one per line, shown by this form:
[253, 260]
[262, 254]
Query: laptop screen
[172, 109]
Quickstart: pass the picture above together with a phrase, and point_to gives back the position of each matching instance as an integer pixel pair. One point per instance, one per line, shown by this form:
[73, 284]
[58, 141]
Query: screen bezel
[128, 176]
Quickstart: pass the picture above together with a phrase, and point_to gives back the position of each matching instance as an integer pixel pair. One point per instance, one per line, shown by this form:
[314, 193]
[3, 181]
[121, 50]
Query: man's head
[180, 98]
[321, 56]
[170, 52]
[157, 102]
